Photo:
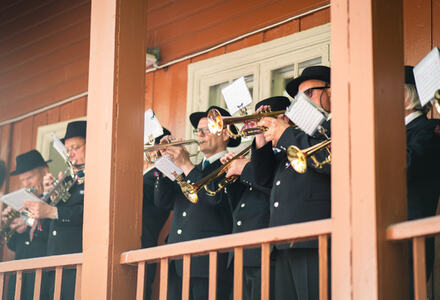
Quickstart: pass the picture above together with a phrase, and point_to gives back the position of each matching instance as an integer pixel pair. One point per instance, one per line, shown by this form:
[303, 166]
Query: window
[267, 68]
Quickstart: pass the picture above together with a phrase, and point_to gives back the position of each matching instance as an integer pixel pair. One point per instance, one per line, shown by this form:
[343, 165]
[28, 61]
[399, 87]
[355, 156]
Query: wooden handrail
[255, 238]
[411, 229]
[41, 262]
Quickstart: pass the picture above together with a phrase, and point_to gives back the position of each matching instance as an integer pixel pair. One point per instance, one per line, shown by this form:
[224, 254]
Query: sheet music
[16, 199]
[427, 76]
[305, 114]
[167, 167]
[152, 127]
[59, 147]
[237, 95]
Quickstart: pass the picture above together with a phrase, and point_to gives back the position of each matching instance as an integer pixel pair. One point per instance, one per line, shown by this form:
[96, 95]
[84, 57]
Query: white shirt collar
[412, 116]
[214, 157]
[148, 170]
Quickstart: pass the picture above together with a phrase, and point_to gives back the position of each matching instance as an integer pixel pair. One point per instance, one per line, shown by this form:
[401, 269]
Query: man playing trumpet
[211, 216]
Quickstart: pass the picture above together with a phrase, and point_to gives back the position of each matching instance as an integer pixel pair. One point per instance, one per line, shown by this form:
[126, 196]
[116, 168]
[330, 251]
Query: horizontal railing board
[273, 235]
[41, 262]
[416, 228]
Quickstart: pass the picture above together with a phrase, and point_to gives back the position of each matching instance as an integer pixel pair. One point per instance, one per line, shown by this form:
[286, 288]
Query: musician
[211, 216]
[28, 242]
[65, 232]
[153, 217]
[423, 163]
[251, 207]
[295, 197]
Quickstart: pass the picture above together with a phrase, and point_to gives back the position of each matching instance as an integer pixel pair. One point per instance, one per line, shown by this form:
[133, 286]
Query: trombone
[150, 157]
[190, 190]
[298, 158]
[217, 122]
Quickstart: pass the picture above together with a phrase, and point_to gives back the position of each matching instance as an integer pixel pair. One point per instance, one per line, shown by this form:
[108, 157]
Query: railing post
[419, 267]
[212, 275]
[265, 271]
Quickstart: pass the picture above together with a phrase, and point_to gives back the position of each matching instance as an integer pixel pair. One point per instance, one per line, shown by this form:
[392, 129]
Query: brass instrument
[151, 157]
[437, 100]
[298, 158]
[5, 232]
[190, 190]
[217, 122]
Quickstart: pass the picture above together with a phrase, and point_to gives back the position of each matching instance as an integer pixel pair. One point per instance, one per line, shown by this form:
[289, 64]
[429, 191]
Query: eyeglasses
[203, 131]
[74, 148]
[309, 92]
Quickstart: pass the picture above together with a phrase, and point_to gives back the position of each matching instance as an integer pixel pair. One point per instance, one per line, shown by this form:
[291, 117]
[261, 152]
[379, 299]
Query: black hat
[195, 118]
[315, 72]
[2, 172]
[29, 161]
[276, 103]
[165, 132]
[75, 129]
[409, 75]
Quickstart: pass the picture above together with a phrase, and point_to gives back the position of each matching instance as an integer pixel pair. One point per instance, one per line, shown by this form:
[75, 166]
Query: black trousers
[252, 283]
[67, 284]
[27, 286]
[296, 274]
[150, 270]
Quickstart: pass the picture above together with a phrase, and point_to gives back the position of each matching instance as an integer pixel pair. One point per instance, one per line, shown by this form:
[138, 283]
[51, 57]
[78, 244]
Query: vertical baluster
[2, 282]
[186, 276]
[58, 279]
[323, 267]
[265, 271]
[37, 283]
[140, 281]
[212, 275]
[419, 265]
[238, 273]
[163, 290]
[18, 280]
[78, 282]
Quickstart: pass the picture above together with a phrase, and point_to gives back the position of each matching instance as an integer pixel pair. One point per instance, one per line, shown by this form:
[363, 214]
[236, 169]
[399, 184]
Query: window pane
[308, 63]
[215, 94]
[279, 78]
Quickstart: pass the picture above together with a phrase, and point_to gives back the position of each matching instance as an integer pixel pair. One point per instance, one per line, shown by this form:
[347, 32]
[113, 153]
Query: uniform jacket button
[242, 205]
[54, 233]
[278, 182]
[179, 231]
[276, 204]
[27, 243]
[184, 214]
[238, 223]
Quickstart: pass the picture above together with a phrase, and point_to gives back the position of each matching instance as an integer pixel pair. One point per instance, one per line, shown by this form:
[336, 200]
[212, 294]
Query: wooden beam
[368, 149]
[115, 107]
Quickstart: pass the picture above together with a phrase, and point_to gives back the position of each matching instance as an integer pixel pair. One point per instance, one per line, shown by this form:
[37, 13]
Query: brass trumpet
[150, 158]
[217, 122]
[190, 190]
[298, 158]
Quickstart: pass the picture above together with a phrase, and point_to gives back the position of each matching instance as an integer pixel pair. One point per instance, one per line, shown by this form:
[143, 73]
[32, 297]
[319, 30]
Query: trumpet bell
[215, 121]
[297, 159]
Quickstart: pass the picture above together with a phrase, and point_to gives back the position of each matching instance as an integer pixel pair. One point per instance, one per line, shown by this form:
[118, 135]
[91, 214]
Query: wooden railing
[263, 238]
[38, 265]
[416, 231]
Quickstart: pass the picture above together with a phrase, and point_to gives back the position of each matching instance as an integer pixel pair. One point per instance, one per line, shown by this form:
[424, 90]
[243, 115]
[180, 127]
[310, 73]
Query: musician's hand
[5, 213]
[275, 128]
[236, 167]
[180, 156]
[227, 157]
[48, 182]
[19, 225]
[41, 210]
[165, 140]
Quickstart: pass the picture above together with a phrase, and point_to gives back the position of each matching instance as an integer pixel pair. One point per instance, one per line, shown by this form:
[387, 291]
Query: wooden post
[368, 151]
[112, 205]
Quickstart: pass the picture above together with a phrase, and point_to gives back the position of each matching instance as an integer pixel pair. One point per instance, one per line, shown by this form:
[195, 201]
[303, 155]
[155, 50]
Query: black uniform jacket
[423, 163]
[25, 248]
[211, 216]
[65, 233]
[153, 217]
[294, 197]
[251, 211]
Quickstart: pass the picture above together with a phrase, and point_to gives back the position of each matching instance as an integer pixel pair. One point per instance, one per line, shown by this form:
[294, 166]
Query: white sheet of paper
[152, 127]
[59, 146]
[427, 75]
[16, 199]
[305, 114]
[237, 95]
[167, 167]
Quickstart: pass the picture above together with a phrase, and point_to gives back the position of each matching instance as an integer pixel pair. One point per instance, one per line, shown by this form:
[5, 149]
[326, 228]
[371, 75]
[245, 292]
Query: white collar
[214, 157]
[412, 116]
[148, 169]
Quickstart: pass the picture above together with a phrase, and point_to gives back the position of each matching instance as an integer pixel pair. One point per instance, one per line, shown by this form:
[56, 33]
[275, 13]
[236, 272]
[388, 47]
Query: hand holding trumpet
[236, 166]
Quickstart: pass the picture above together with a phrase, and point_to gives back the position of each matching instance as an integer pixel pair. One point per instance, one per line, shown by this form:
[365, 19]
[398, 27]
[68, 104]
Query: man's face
[33, 179]
[210, 143]
[313, 89]
[76, 147]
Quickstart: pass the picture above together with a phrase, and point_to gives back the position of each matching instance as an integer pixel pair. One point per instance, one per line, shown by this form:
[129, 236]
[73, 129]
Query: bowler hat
[165, 132]
[196, 116]
[276, 103]
[29, 161]
[314, 72]
[75, 129]
[409, 75]
[2, 172]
